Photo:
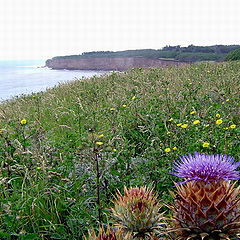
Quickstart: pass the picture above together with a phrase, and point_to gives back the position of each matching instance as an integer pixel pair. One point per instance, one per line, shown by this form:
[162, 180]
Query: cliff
[108, 63]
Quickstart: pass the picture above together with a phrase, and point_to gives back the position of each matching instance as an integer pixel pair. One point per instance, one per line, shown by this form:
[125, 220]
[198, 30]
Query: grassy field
[64, 152]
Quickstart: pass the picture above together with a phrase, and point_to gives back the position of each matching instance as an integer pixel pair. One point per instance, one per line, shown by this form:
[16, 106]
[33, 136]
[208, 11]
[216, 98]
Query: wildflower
[232, 126]
[219, 121]
[112, 109]
[179, 124]
[190, 84]
[193, 112]
[203, 167]
[206, 144]
[114, 150]
[134, 97]
[171, 119]
[100, 136]
[206, 125]
[167, 150]
[174, 148]
[23, 122]
[184, 125]
[1, 130]
[206, 195]
[226, 128]
[227, 100]
[167, 89]
[124, 105]
[196, 122]
[99, 143]
[218, 115]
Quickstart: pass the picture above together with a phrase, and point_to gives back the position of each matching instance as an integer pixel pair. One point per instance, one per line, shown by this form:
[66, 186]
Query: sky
[41, 29]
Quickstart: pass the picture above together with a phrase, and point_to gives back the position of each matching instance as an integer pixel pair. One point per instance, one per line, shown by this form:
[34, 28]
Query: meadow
[66, 151]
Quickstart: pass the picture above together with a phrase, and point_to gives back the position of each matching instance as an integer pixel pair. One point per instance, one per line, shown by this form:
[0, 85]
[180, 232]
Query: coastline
[109, 63]
[24, 79]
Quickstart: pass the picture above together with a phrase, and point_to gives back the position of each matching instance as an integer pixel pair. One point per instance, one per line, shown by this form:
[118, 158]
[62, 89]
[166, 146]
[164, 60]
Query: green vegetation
[58, 148]
[187, 54]
[234, 55]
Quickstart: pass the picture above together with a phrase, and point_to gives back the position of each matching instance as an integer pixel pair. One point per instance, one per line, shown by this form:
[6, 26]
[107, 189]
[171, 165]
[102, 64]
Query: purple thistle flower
[207, 168]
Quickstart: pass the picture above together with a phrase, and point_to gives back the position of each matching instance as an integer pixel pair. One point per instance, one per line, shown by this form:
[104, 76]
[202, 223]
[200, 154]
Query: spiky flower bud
[137, 213]
[107, 234]
[206, 206]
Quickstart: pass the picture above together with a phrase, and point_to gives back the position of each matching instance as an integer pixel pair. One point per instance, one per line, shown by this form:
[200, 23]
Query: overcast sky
[40, 29]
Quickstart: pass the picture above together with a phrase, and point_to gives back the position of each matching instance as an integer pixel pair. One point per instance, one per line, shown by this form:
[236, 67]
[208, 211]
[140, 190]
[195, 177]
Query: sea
[20, 77]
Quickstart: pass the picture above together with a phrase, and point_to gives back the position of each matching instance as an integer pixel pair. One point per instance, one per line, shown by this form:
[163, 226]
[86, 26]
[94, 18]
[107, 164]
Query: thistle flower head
[207, 168]
[136, 198]
[137, 212]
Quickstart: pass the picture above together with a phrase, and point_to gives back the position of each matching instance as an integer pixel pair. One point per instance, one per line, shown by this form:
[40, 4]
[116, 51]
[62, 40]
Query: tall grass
[84, 139]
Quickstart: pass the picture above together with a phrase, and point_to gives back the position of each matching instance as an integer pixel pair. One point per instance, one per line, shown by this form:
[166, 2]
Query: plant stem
[96, 158]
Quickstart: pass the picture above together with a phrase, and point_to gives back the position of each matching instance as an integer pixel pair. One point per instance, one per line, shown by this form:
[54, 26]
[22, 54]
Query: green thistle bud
[137, 213]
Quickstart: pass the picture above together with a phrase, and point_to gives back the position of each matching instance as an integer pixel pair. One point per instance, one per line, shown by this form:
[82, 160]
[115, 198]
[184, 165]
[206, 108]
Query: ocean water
[29, 76]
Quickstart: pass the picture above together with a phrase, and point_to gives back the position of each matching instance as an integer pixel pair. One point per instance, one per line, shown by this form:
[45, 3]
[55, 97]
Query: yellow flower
[179, 124]
[114, 150]
[227, 100]
[207, 125]
[193, 112]
[233, 126]
[218, 115]
[1, 130]
[190, 84]
[174, 148]
[226, 128]
[134, 97]
[167, 150]
[196, 122]
[206, 144]
[23, 122]
[112, 109]
[100, 136]
[219, 121]
[184, 125]
[124, 105]
[171, 119]
[99, 143]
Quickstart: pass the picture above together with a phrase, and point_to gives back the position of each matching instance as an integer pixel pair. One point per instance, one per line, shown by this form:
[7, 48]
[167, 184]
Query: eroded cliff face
[107, 64]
